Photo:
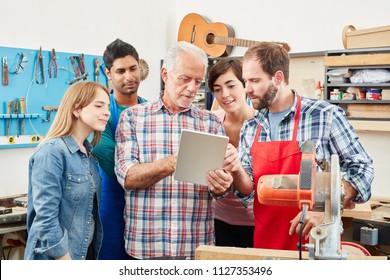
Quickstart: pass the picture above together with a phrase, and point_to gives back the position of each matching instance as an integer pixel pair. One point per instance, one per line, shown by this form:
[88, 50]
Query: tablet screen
[199, 152]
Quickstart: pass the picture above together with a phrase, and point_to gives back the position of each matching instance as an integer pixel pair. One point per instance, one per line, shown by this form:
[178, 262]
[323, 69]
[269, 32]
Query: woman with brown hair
[233, 222]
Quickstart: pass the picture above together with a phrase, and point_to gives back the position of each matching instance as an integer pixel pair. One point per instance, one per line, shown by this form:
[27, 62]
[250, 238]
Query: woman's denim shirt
[61, 201]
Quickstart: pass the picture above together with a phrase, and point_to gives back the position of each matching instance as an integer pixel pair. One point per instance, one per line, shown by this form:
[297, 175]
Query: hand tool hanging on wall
[53, 64]
[39, 68]
[97, 69]
[75, 70]
[9, 111]
[22, 110]
[5, 71]
[22, 62]
[78, 68]
[49, 109]
[16, 111]
[83, 73]
[108, 82]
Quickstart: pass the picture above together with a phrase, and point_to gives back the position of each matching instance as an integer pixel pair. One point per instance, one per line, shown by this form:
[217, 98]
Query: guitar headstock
[284, 46]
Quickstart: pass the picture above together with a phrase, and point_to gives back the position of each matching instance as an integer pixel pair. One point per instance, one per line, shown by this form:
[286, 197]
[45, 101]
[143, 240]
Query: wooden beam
[361, 211]
[361, 125]
[205, 252]
[378, 111]
[357, 60]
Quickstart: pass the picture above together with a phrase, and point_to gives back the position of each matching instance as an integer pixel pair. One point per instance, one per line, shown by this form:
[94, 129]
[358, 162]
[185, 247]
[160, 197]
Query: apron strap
[114, 113]
[296, 119]
[296, 122]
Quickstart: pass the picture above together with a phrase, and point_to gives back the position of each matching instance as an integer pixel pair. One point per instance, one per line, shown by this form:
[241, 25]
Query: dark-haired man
[123, 70]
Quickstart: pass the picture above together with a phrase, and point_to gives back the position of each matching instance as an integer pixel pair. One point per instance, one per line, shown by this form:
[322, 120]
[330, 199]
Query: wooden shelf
[357, 60]
[364, 115]
[374, 102]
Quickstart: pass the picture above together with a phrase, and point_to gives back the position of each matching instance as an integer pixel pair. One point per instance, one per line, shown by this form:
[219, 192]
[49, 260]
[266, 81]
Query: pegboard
[41, 94]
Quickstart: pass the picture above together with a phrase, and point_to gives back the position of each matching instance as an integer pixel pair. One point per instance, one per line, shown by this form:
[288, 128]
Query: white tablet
[199, 153]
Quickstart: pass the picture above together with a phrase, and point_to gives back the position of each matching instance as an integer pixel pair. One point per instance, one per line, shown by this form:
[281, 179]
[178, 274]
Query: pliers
[81, 70]
[53, 64]
[39, 65]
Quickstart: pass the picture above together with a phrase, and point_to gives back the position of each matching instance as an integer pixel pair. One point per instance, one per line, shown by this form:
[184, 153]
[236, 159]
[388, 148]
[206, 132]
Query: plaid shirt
[328, 127]
[169, 218]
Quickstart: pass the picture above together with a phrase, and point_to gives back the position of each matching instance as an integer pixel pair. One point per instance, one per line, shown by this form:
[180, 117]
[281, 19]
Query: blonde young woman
[64, 183]
[234, 223]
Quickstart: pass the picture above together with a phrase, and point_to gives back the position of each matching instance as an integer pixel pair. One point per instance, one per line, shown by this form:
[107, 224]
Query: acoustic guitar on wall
[216, 39]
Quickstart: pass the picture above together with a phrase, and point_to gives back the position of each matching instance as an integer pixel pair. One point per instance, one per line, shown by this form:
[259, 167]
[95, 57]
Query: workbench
[373, 212]
[13, 222]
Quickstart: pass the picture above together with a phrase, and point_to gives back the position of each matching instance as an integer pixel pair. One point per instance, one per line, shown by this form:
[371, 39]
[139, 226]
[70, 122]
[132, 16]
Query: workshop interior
[331, 49]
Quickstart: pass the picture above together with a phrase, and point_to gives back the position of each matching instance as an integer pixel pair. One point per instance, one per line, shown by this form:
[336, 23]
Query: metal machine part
[325, 239]
[320, 191]
[144, 68]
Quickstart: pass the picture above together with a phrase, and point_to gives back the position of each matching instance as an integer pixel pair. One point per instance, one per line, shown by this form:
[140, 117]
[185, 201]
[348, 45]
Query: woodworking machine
[315, 191]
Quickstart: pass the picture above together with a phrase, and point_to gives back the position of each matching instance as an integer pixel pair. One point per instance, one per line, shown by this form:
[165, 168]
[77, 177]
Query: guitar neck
[229, 41]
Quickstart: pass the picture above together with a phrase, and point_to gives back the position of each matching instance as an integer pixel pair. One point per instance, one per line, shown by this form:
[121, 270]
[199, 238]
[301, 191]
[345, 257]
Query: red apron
[272, 223]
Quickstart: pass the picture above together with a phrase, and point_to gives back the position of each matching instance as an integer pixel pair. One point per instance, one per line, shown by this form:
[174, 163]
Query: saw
[311, 190]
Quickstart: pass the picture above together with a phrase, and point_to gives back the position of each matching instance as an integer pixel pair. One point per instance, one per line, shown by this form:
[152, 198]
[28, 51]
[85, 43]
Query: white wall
[377, 145]
[86, 26]
[151, 26]
[307, 25]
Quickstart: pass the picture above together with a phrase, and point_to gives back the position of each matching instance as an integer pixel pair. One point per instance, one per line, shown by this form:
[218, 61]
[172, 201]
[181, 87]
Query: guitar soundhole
[210, 38]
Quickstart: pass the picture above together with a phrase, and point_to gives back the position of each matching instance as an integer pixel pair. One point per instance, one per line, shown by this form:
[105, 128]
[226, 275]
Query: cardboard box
[366, 38]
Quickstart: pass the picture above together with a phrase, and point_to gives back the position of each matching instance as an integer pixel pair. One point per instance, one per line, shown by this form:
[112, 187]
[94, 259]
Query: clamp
[22, 61]
[53, 64]
[49, 109]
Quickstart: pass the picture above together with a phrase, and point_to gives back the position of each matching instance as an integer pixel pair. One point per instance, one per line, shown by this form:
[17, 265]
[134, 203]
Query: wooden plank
[379, 111]
[205, 252]
[361, 125]
[357, 60]
[361, 210]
